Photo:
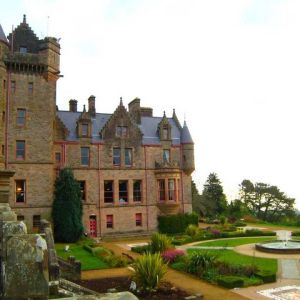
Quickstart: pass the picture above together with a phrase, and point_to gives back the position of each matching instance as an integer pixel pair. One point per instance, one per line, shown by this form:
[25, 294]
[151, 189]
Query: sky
[230, 68]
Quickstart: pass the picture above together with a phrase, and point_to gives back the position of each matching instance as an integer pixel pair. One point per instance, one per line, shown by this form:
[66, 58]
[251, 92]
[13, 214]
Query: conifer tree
[67, 208]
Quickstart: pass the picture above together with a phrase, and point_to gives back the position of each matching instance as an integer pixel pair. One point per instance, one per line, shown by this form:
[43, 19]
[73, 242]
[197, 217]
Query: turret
[188, 161]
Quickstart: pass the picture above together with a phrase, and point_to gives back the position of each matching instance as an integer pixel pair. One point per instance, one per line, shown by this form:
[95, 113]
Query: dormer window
[121, 131]
[165, 132]
[23, 49]
[84, 129]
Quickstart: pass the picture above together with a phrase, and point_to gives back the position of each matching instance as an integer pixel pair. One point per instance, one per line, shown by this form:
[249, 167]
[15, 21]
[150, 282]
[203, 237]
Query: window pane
[20, 150]
[85, 156]
[108, 191]
[109, 221]
[161, 190]
[36, 221]
[166, 155]
[123, 194]
[116, 156]
[171, 188]
[137, 191]
[30, 87]
[21, 114]
[165, 133]
[138, 219]
[84, 129]
[13, 86]
[128, 156]
[82, 189]
[121, 131]
[23, 49]
[57, 157]
[20, 191]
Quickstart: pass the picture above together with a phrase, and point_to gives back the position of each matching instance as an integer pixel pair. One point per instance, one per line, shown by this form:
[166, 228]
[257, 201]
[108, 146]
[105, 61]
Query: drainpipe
[146, 186]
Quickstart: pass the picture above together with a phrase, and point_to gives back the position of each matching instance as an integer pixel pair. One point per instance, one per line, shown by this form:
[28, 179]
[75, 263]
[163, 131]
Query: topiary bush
[176, 223]
[230, 282]
[266, 276]
[149, 271]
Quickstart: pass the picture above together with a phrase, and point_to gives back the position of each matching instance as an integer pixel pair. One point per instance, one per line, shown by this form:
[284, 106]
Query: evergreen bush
[230, 282]
[67, 208]
[176, 223]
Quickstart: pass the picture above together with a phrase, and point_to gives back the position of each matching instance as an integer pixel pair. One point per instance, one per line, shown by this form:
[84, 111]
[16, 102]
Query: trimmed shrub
[266, 276]
[192, 230]
[170, 256]
[160, 243]
[296, 233]
[230, 282]
[176, 223]
[149, 271]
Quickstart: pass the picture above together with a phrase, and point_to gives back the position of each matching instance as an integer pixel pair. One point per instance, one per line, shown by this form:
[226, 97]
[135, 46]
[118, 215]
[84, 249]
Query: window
[57, 157]
[30, 88]
[116, 156]
[2, 150]
[13, 86]
[4, 84]
[21, 116]
[123, 193]
[3, 116]
[20, 191]
[20, 218]
[84, 129]
[36, 221]
[171, 189]
[121, 131]
[161, 190]
[109, 221]
[23, 49]
[20, 150]
[85, 156]
[82, 190]
[108, 191]
[138, 219]
[128, 157]
[166, 155]
[137, 191]
[165, 132]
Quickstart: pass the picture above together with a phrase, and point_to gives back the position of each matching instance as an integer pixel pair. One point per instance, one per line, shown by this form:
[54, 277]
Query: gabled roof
[148, 127]
[186, 137]
[2, 35]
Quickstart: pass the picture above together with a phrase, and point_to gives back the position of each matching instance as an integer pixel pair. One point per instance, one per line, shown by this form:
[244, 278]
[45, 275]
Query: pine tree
[67, 208]
[214, 198]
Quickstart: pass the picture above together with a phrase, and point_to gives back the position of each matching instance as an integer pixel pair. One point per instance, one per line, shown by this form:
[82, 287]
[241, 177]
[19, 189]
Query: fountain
[283, 245]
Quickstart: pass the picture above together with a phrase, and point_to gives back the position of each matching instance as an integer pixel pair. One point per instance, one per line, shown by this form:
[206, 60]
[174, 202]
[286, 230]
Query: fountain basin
[281, 247]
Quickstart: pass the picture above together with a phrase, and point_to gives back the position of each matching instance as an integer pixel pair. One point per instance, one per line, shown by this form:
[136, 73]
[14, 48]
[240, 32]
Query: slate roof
[186, 137]
[2, 35]
[148, 127]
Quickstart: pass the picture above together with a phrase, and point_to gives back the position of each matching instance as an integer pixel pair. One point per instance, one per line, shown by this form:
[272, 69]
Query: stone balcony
[168, 207]
[165, 167]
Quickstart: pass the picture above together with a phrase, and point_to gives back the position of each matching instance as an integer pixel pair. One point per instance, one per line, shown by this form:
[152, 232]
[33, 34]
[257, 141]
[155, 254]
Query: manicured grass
[236, 242]
[234, 258]
[88, 261]
[273, 226]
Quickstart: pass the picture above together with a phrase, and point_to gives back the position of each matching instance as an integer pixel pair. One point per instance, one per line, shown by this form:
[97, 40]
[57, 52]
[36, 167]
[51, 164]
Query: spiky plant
[149, 271]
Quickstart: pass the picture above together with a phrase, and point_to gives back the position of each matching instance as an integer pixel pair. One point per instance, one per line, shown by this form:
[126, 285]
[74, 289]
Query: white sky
[232, 67]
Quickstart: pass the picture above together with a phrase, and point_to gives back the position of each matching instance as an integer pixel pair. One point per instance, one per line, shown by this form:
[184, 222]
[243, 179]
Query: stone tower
[4, 48]
[188, 161]
[32, 68]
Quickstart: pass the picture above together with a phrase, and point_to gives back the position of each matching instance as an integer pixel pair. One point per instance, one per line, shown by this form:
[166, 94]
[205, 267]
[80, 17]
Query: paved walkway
[289, 268]
[187, 282]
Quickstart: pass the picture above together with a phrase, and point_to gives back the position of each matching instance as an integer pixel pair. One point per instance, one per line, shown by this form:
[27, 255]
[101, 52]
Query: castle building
[131, 166]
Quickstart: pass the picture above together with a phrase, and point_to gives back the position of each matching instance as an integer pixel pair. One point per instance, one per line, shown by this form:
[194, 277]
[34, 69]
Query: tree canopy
[265, 201]
[67, 208]
[213, 196]
[197, 201]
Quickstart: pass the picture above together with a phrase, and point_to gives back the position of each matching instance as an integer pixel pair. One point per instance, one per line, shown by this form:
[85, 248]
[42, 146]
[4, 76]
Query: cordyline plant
[160, 243]
[149, 271]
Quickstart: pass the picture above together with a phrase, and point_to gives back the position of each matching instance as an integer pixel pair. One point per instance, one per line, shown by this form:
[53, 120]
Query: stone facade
[131, 166]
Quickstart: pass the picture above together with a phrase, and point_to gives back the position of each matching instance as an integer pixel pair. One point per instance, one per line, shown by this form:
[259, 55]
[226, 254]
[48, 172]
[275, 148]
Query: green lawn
[236, 242]
[234, 258]
[88, 261]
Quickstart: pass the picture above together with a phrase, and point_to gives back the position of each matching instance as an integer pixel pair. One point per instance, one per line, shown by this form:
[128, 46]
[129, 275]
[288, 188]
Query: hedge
[266, 276]
[176, 223]
[230, 282]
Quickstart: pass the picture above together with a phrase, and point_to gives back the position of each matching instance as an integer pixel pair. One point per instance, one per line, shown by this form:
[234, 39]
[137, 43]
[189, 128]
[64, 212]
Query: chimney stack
[92, 106]
[73, 105]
